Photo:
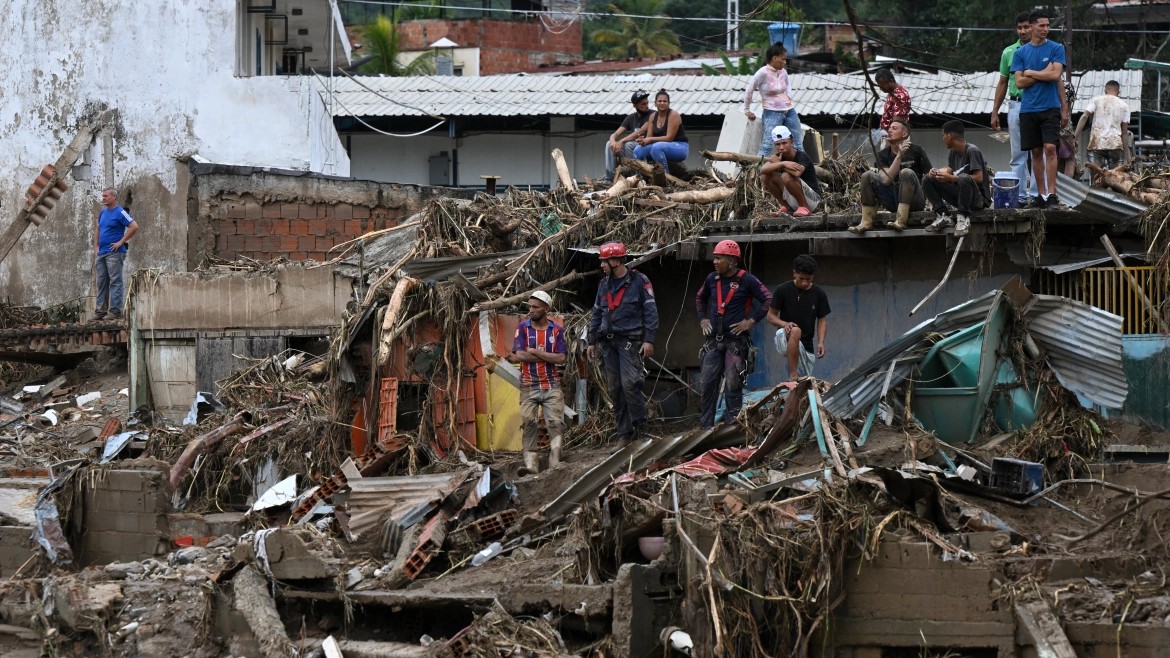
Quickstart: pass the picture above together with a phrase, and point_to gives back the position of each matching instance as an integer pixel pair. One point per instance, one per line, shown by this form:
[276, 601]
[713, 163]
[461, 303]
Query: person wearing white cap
[539, 347]
[790, 177]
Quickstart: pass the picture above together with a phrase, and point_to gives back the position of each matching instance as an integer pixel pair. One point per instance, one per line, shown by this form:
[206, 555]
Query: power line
[723, 19]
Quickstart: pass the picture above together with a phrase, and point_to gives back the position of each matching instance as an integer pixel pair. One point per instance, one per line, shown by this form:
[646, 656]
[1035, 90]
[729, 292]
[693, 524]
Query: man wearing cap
[539, 347]
[790, 177]
[730, 303]
[624, 324]
[624, 146]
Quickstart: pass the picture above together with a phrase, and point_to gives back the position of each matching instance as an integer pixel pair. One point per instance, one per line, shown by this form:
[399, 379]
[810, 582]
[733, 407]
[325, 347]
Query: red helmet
[613, 250]
[727, 248]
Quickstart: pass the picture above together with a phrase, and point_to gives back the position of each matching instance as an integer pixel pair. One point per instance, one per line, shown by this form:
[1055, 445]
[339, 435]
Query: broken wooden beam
[250, 597]
[731, 156]
[204, 441]
[1041, 624]
[563, 171]
[710, 195]
[646, 169]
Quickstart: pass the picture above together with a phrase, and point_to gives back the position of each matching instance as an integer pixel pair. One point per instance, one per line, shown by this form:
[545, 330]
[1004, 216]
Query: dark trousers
[625, 379]
[964, 195]
[722, 360]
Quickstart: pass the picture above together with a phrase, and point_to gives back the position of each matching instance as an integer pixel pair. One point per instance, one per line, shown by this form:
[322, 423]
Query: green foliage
[382, 42]
[743, 66]
[636, 37]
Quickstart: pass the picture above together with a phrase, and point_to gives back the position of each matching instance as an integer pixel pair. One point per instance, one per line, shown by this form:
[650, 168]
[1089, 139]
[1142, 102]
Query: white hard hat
[542, 296]
[781, 132]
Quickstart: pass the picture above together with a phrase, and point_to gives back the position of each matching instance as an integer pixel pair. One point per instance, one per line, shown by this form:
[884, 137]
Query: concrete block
[132, 502]
[123, 480]
[916, 555]
[181, 524]
[226, 523]
[126, 522]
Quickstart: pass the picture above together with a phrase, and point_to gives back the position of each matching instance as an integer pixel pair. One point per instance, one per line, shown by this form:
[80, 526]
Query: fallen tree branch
[504, 302]
[731, 156]
[563, 170]
[250, 597]
[204, 441]
[711, 195]
[646, 169]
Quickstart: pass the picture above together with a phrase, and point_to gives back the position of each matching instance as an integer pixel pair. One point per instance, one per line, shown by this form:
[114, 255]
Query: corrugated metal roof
[816, 94]
[1060, 259]
[1082, 344]
[1096, 201]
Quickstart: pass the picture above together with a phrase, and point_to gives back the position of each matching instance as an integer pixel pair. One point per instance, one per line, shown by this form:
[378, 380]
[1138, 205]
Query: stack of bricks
[297, 231]
[124, 516]
[16, 547]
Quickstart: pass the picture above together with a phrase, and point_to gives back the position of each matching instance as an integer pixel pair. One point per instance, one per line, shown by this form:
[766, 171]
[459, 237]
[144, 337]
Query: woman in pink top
[779, 110]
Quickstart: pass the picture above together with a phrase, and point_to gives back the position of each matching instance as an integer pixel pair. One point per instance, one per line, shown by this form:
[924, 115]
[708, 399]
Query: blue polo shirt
[112, 225]
[1040, 96]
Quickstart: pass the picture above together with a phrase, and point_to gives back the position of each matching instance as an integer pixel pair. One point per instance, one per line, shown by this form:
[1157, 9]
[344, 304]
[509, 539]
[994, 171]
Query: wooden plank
[1041, 624]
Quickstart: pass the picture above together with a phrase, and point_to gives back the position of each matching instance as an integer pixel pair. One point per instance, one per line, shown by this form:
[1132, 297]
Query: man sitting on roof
[896, 182]
[790, 177]
[619, 146]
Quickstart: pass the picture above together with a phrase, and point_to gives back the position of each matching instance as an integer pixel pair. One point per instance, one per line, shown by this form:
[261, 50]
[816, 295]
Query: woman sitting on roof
[663, 139]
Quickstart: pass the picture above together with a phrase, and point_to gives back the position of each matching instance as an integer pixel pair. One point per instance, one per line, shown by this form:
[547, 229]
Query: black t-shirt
[809, 175]
[972, 159]
[634, 121]
[914, 159]
[804, 307]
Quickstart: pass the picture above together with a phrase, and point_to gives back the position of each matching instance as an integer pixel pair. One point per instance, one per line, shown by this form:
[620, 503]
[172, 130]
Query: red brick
[281, 226]
[253, 210]
[264, 226]
[352, 228]
[318, 227]
[298, 255]
[306, 242]
[361, 212]
[235, 210]
[271, 210]
[221, 243]
[343, 211]
[298, 227]
[290, 210]
[226, 227]
[235, 243]
[246, 226]
[324, 211]
[324, 244]
[288, 243]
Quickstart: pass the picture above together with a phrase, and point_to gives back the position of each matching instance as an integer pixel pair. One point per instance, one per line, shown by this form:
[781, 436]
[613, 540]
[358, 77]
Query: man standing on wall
[624, 324]
[725, 306]
[1038, 66]
[115, 228]
[1110, 116]
[1007, 87]
[799, 310]
[539, 347]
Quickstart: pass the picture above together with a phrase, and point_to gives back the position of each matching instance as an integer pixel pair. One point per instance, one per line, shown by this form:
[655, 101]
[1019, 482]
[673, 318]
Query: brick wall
[124, 516]
[246, 227]
[506, 46]
[16, 547]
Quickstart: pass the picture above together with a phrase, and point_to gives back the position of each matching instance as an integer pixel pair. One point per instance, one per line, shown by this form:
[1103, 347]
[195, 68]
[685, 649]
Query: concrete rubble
[950, 496]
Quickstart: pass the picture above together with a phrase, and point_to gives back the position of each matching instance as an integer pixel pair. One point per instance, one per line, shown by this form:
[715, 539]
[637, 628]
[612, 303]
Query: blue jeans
[1020, 158]
[109, 281]
[722, 360]
[611, 159]
[773, 118]
[625, 377]
[662, 152]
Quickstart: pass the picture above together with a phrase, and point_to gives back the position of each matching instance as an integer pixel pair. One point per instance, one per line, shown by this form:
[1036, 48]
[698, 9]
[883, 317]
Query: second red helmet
[727, 248]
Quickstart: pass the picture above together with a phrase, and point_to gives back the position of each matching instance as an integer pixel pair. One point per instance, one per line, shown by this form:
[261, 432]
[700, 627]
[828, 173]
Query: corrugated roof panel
[1096, 201]
[1083, 345]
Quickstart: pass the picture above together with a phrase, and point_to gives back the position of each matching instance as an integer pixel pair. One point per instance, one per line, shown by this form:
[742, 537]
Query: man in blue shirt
[1007, 90]
[624, 324]
[114, 230]
[1037, 66]
[727, 315]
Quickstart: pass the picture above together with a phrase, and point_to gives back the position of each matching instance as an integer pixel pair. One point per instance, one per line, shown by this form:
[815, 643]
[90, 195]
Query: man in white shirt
[1110, 116]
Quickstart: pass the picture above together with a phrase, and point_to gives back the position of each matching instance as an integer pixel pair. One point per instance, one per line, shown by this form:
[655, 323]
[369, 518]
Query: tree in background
[639, 30]
[743, 66]
[382, 42]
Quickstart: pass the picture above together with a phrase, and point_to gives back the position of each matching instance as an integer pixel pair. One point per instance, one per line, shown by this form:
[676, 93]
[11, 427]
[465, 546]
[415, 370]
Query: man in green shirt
[1007, 87]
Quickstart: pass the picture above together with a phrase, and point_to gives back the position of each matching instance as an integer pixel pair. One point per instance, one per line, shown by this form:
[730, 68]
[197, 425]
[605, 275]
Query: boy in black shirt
[790, 177]
[799, 310]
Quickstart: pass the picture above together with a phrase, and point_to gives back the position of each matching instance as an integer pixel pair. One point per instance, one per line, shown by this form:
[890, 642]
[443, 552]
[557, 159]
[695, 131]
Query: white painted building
[190, 80]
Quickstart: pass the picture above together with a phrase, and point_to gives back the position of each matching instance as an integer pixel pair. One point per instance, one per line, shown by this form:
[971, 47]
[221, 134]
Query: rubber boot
[868, 214]
[554, 452]
[531, 461]
[902, 217]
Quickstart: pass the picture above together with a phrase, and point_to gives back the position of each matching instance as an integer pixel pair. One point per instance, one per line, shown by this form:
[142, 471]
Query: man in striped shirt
[539, 347]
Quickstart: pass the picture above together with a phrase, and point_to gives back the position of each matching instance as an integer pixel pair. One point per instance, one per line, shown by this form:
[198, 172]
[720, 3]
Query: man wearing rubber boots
[730, 303]
[539, 347]
[623, 325]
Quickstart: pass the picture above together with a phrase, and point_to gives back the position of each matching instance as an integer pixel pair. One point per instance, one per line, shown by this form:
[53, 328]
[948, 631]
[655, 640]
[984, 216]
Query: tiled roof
[705, 95]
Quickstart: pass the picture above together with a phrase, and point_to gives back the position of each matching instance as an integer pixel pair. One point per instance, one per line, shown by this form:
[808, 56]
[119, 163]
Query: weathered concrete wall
[289, 298]
[168, 67]
[16, 547]
[124, 516]
[238, 212]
